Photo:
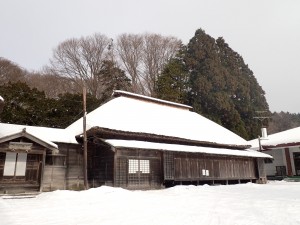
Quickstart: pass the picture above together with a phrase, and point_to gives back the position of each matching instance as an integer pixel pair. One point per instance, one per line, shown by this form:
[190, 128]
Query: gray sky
[265, 32]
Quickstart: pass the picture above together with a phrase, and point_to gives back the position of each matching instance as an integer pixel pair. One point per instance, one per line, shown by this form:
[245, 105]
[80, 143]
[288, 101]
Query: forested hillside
[206, 74]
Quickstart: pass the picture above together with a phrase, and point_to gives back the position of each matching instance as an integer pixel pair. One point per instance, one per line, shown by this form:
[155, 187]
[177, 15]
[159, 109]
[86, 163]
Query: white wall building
[285, 149]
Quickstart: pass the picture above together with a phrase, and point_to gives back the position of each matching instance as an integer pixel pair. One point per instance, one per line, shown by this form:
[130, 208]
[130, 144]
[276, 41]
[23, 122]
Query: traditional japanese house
[135, 142]
[138, 142]
[284, 147]
[38, 159]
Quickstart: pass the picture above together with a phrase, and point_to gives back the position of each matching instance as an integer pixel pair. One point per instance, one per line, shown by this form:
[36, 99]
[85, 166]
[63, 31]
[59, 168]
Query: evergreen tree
[22, 104]
[172, 83]
[113, 78]
[68, 108]
[220, 86]
[248, 95]
[27, 106]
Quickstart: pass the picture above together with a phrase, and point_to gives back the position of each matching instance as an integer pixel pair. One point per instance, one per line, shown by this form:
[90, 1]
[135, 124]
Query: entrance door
[138, 173]
[297, 162]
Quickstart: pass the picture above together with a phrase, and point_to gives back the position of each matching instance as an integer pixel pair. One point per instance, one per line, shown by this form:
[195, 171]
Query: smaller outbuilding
[284, 147]
[34, 159]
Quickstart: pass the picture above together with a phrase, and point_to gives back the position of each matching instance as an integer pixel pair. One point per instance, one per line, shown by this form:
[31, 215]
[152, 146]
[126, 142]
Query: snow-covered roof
[289, 137]
[147, 98]
[128, 113]
[185, 148]
[44, 133]
[1, 99]
[23, 133]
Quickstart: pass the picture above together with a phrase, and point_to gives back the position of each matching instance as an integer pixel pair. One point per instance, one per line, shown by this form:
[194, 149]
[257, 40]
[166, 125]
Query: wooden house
[38, 159]
[134, 142]
[284, 147]
[138, 142]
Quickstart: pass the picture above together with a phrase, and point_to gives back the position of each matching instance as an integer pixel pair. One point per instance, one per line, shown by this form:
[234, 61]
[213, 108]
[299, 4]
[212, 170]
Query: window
[205, 173]
[15, 164]
[138, 166]
[144, 166]
[268, 161]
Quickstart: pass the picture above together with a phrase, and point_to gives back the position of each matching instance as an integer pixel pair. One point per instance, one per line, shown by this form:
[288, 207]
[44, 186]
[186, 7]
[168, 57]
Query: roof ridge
[118, 93]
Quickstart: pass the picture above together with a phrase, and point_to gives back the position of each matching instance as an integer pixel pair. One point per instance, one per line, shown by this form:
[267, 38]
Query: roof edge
[282, 145]
[118, 93]
[106, 133]
[47, 144]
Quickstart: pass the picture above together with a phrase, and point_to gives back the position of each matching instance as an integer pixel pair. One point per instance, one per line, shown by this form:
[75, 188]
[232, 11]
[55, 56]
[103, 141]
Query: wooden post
[288, 162]
[84, 141]
[42, 164]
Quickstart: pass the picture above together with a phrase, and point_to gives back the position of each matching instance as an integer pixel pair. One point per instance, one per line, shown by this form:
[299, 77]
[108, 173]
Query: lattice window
[144, 166]
[121, 175]
[169, 165]
[133, 166]
[138, 166]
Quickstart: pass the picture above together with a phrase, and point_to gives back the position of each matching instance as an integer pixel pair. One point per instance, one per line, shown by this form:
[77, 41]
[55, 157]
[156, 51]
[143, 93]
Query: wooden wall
[150, 169]
[100, 165]
[64, 170]
[201, 167]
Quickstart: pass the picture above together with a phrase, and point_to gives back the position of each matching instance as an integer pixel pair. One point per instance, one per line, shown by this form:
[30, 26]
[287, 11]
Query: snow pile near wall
[276, 203]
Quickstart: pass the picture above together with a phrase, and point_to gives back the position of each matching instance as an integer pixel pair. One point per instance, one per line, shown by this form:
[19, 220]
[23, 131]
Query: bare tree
[130, 50]
[143, 58]
[81, 60]
[158, 50]
[9, 71]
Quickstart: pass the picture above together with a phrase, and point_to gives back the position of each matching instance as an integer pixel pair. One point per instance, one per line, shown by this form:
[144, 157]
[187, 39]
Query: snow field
[275, 203]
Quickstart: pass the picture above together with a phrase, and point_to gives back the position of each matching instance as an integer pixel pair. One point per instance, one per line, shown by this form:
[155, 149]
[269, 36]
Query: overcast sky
[265, 32]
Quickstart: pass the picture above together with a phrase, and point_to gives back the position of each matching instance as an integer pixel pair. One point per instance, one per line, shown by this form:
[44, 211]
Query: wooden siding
[64, 170]
[54, 178]
[193, 167]
[201, 167]
[133, 168]
[74, 165]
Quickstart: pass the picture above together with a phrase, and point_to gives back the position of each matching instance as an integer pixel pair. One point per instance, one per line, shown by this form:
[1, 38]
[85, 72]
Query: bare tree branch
[81, 60]
[143, 57]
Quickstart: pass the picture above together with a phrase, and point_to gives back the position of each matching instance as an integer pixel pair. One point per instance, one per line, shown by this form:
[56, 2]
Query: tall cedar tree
[220, 85]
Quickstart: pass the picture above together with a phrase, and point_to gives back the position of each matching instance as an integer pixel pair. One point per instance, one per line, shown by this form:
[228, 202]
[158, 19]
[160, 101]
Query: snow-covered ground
[271, 204]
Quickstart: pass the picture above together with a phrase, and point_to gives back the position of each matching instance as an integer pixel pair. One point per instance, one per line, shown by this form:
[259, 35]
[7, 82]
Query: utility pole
[84, 140]
[262, 116]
